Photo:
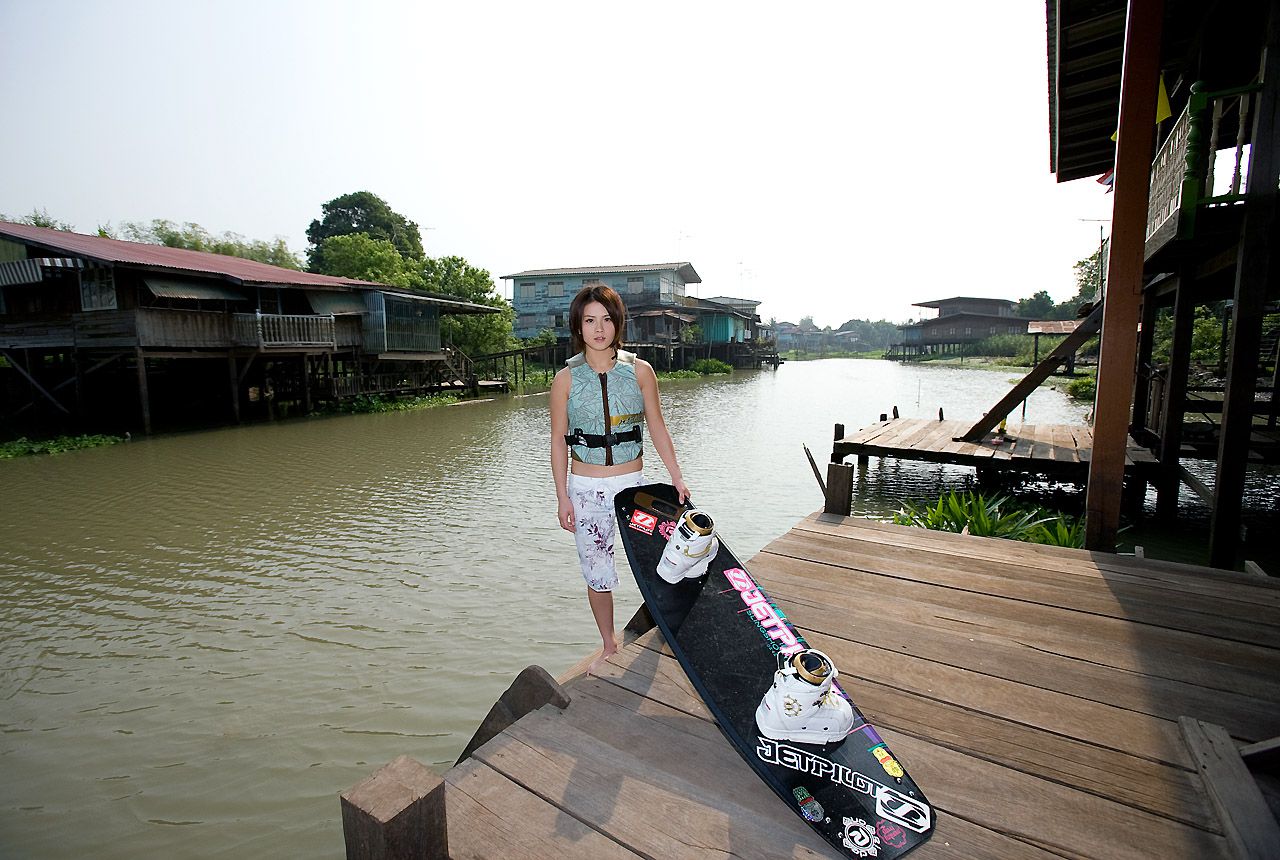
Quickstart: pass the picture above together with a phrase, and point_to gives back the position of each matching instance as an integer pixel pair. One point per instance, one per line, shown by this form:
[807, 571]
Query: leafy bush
[971, 513]
[24, 446]
[375, 403]
[1083, 388]
[1000, 516]
[707, 366]
[678, 374]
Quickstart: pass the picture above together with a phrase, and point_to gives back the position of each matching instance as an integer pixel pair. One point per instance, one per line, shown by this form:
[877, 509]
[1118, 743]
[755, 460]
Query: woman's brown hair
[612, 302]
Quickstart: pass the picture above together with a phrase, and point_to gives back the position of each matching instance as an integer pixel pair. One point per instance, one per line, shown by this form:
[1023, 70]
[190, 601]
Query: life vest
[606, 412]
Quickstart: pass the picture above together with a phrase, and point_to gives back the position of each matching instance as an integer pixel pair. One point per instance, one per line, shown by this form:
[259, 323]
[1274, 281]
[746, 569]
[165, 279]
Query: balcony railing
[283, 330]
[1182, 174]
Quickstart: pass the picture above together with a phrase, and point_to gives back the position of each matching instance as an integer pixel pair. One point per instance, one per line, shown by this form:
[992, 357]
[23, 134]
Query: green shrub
[376, 403]
[1083, 388]
[679, 374]
[24, 446]
[1000, 516]
[707, 366]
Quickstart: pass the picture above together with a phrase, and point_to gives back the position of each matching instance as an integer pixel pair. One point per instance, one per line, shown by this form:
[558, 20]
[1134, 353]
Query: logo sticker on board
[642, 522]
[860, 838]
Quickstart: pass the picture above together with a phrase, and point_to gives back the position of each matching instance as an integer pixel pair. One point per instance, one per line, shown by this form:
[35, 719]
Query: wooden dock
[1060, 450]
[1033, 692]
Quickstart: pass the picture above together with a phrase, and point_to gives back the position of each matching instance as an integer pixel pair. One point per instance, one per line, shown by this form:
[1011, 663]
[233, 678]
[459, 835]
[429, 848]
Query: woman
[599, 403]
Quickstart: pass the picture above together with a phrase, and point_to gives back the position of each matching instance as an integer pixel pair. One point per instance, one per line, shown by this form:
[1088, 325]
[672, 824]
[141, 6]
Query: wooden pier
[1034, 693]
[1060, 450]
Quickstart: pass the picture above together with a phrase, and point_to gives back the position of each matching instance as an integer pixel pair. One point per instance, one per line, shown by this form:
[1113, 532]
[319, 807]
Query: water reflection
[207, 636]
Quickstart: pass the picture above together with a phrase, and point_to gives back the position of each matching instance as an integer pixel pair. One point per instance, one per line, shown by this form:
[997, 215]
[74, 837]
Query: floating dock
[1050, 702]
[1060, 450]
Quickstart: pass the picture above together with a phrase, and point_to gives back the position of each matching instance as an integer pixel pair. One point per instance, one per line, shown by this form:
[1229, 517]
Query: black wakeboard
[727, 633]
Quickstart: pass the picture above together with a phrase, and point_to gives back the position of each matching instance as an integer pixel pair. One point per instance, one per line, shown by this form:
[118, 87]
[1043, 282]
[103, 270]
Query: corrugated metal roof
[106, 250]
[166, 289]
[686, 271]
[1052, 326]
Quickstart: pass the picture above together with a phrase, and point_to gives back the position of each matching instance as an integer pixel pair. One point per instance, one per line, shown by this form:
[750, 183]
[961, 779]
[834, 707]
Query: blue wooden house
[541, 297]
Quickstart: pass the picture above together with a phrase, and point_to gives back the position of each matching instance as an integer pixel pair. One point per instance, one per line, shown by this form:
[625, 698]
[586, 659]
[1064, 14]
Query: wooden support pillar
[306, 384]
[234, 387]
[1139, 80]
[839, 489]
[1142, 388]
[532, 688]
[1254, 270]
[398, 813]
[144, 399]
[1175, 397]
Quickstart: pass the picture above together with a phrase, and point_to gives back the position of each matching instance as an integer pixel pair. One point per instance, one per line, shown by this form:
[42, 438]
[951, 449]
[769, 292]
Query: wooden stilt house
[105, 334]
[1191, 89]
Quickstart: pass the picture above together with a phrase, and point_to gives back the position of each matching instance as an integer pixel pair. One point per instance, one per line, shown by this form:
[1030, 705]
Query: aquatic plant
[23, 447]
[999, 516]
[707, 366]
[375, 403]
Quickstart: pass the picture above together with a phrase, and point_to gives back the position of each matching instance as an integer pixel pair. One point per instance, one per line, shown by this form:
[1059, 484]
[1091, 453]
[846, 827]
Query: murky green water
[204, 638]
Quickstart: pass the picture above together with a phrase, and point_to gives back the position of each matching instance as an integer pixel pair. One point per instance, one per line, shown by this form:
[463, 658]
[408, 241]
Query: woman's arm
[658, 432]
[559, 450]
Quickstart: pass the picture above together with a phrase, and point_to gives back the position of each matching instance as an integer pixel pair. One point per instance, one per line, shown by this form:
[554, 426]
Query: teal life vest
[606, 412]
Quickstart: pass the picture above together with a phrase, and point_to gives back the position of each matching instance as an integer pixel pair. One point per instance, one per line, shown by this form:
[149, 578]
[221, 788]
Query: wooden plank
[491, 816]
[1056, 817]
[659, 793]
[1250, 826]
[1239, 678]
[1034, 590]
[1024, 662]
[1247, 592]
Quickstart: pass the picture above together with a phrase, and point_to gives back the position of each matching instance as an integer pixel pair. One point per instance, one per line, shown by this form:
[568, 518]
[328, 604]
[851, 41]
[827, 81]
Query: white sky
[833, 159]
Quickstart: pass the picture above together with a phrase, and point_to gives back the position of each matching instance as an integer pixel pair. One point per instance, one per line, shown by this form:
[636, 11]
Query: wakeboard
[728, 634]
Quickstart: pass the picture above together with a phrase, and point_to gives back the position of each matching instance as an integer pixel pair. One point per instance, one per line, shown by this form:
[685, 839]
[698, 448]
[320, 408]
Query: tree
[41, 218]
[1038, 307]
[358, 256]
[364, 212]
[193, 237]
[474, 334]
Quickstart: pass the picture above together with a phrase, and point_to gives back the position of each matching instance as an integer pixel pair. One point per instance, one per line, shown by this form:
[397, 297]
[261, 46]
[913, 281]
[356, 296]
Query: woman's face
[597, 327]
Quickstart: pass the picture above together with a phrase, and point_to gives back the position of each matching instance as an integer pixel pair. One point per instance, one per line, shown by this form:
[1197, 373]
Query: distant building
[960, 321]
[541, 297]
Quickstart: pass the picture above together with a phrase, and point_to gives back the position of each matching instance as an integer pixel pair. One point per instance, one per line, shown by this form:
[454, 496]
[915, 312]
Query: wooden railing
[275, 330]
[1182, 174]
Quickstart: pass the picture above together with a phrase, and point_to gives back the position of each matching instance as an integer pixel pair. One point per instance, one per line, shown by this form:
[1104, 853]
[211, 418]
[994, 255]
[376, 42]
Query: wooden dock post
[839, 489]
[532, 688]
[398, 813]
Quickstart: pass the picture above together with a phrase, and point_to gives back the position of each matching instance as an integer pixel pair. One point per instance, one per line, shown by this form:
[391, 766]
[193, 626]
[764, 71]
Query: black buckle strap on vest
[607, 440]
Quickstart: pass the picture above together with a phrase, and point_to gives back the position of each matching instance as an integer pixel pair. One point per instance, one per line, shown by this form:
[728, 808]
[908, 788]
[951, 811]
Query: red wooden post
[1138, 83]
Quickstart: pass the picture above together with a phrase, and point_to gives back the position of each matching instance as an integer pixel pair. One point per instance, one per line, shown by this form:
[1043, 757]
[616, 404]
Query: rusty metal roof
[161, 257]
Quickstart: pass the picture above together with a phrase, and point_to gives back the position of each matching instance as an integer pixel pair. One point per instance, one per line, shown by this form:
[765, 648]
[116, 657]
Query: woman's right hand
[565, 514]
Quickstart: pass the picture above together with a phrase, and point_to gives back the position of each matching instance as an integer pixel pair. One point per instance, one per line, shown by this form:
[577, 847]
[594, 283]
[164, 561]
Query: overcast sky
[833, 159]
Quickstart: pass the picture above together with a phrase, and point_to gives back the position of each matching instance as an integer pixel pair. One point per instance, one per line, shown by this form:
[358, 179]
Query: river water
[205, 637]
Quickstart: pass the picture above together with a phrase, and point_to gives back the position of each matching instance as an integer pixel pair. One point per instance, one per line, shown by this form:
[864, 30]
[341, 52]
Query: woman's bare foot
[597, 665]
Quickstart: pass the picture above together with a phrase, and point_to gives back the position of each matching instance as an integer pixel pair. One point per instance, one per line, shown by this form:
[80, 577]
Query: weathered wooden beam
[1247, 821]
[1175, 397]
[814, 464]
[17, 365]
[1139, 81]
[1254, 272]
[531, 689]
[144, 398]
[1088, 328]
[839, 497]
[398, 813]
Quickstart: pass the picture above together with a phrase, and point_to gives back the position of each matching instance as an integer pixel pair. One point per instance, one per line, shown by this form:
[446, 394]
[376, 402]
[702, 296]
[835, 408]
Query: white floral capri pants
[595, 523]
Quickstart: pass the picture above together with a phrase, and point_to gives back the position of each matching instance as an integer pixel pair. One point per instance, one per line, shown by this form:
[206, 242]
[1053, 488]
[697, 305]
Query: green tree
[41, 218]
[193, 237]
[363, 212]
[358, 256]
[1038, 307]
[474, 334]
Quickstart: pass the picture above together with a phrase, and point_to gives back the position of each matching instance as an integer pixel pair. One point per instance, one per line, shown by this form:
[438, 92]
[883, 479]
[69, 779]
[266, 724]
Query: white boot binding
[690, 549]
[801, 705]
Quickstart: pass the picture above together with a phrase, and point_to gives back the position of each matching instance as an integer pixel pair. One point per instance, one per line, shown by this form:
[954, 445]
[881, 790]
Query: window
[1013, 329]
[591, 282]
[97, 290]
[991, 330]
[525, 290]
[559, 320]
[555, 289]
[635, 285]
[952, 330]
[968, 330]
